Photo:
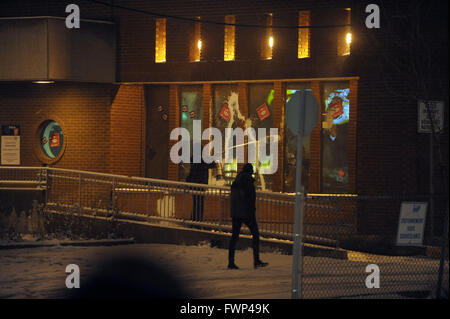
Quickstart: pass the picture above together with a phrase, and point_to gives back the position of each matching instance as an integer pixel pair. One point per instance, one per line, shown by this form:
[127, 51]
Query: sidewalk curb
[167, 233]
[102, 242]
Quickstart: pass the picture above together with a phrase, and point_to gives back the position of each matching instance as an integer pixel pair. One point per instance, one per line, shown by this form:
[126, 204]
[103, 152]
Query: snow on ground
[40, 272]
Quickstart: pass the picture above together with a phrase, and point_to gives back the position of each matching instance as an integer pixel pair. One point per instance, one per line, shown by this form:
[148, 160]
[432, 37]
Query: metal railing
[188, 204]
[364, 225]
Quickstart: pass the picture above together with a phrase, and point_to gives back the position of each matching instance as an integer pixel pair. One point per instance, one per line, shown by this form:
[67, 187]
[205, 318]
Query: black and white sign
[411, 224]
[10, 150]
[437, 115]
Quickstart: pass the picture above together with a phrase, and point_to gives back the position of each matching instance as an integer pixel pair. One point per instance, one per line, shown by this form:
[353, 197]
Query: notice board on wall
[10, 145]
[10, 153]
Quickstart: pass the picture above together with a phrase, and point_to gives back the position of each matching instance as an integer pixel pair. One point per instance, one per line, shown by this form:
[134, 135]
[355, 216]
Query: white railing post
[79, 194]
[220, 207]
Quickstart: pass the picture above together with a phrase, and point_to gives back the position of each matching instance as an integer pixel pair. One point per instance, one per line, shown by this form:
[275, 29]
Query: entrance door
[157, 139]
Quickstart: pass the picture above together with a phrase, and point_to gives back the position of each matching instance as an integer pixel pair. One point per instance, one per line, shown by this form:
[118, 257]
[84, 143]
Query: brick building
[167, 72]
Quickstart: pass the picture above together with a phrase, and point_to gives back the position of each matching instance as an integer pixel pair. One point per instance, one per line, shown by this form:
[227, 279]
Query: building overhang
[44, 49]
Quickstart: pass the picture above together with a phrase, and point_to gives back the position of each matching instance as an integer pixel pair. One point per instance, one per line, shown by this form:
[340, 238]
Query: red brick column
[315, 168]
[352, 136]
[278, 122]
[127, 132]
[243, 107]
[207, 108]
[174, 122]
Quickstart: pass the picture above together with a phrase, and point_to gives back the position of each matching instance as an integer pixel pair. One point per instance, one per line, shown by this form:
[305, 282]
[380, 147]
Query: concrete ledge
[104, 242]
[435, 252]
[168, 233]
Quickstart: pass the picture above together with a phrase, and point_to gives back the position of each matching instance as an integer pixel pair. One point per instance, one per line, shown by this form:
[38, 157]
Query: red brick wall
[81, 109]
[278, 120]
[386, 154]
[174, 121]
[127, 133]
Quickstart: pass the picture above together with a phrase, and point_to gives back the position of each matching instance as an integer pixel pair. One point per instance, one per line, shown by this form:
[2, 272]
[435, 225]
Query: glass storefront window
[226, 114]
[52, 139]
[290, 142]
[335, 121]
[191, 104]
[260, 111]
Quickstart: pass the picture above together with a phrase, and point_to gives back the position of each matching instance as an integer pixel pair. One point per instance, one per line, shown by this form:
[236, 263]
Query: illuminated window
[191, 98]
[303, 34]
[229, 41]
[345, 35]
[268, 43]
[335, 122]
[261, 112]
[196, 43]
[225, 114]
[160, 43]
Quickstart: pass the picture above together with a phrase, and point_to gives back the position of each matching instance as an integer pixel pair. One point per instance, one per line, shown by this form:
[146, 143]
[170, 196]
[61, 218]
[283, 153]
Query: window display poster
[10, 130]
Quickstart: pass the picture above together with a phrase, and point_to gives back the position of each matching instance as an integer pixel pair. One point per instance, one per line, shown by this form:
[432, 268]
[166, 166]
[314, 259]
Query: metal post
[113, 198]
[220, 207]
[443, 253]
[431, 187]
[184, 205]
[431, 136]
[338, 225]
[79, 195]
[149, 207]
[297, 263]
[46, 187]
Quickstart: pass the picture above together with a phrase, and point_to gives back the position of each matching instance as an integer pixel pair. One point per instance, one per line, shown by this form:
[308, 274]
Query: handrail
[142, 179]
[151, 199]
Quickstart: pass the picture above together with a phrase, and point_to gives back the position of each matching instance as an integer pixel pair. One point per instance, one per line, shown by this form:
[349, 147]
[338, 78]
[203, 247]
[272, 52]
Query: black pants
[253, 227]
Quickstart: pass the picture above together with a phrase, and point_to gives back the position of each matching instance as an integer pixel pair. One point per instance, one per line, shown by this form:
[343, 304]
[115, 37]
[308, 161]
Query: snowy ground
[40, 272]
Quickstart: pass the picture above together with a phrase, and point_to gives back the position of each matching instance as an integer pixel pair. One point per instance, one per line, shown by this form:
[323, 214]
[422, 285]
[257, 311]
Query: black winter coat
[243, 197]
[199, 172]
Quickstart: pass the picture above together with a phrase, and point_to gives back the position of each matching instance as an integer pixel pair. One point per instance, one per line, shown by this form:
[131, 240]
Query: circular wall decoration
[50, 141]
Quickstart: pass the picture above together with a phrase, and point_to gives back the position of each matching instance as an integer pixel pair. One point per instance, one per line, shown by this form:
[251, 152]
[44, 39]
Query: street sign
[411, 224]
[311, 112]
[436, 109]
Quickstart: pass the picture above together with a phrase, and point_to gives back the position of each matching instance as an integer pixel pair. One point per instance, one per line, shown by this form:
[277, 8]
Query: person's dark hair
[248, 168]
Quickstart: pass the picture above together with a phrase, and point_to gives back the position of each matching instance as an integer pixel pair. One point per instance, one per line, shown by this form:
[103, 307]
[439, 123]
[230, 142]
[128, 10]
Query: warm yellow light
[199, 44]
[271, 42]
[348, 38]
[43, 82]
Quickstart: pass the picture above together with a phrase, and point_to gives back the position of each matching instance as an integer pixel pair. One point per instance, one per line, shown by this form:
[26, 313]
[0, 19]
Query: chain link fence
[377, 266]
[364, 227]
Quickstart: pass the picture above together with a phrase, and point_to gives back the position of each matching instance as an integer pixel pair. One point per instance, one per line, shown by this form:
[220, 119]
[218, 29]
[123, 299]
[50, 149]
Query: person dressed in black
[243, 208]
[198, 174]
